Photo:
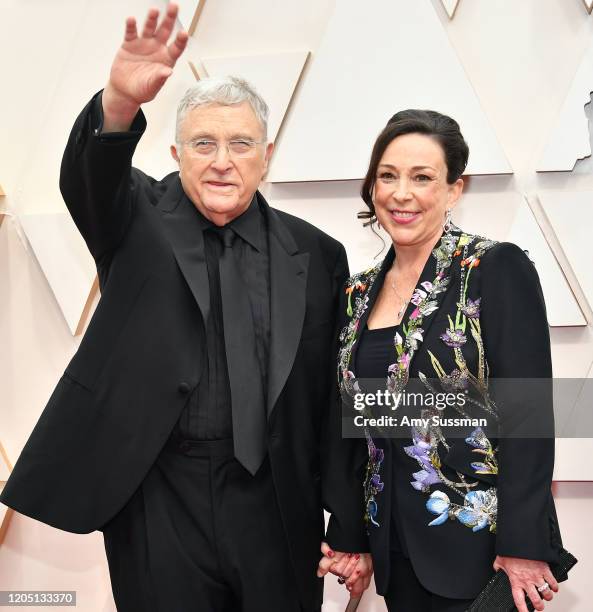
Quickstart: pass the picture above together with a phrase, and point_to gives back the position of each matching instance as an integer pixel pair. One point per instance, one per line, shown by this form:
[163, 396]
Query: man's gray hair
[226, 91]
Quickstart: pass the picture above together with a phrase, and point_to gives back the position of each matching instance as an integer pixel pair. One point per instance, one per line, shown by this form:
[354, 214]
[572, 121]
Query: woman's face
[411, 192]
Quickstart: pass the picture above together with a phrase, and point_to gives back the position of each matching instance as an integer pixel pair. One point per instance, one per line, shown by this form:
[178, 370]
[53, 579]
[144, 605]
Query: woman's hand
[360, 576]
[356, 568]
[525, 576]
[141, 67]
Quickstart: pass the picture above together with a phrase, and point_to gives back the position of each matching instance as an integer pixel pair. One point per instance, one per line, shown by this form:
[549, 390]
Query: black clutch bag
[497, 596]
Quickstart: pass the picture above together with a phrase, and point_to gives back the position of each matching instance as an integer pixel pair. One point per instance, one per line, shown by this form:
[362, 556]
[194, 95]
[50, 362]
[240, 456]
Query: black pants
[406, 594]
[201, 535]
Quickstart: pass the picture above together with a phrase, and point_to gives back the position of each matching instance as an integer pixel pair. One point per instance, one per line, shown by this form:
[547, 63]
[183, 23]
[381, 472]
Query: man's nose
[222, 160]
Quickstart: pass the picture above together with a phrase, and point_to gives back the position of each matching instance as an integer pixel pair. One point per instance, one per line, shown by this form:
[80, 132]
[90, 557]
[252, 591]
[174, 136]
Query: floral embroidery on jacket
[479, 507]
[348, 336]
[478, 510]
[372, 483]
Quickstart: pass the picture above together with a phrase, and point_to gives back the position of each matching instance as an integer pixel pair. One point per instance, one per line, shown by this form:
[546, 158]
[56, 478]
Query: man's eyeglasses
[241, 148]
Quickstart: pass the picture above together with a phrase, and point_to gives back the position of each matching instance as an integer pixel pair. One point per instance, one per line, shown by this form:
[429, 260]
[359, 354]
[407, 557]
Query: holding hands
[527, 577]
[353, 570]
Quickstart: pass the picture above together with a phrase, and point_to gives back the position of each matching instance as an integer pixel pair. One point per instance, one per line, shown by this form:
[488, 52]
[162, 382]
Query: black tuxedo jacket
[142, 355]
[507, 338]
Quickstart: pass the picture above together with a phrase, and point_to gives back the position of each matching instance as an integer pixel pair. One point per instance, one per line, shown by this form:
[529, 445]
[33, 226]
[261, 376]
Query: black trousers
[406, 593]
[201, 535]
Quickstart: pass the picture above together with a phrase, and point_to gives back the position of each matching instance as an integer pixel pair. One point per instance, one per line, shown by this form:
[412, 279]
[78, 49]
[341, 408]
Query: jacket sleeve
[517, 346]
[95, 178]
[343, 460]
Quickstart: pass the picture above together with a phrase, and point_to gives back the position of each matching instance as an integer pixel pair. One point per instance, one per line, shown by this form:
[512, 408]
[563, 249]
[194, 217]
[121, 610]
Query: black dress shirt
[208, 412]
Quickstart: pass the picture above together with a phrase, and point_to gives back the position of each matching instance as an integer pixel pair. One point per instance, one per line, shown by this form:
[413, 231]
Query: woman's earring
[447, 225]
[378, 224]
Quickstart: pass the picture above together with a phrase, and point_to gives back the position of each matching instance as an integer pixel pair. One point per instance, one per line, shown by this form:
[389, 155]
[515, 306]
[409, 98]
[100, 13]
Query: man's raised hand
[141, 67]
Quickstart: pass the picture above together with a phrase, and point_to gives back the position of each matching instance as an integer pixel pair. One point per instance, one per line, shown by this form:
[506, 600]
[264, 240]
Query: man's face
[221, 185]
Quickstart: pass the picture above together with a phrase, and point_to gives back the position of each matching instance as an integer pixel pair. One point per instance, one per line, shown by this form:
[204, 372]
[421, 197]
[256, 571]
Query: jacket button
[183, 388]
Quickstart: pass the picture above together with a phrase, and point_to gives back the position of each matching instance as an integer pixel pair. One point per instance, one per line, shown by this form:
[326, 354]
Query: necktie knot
[228, 237]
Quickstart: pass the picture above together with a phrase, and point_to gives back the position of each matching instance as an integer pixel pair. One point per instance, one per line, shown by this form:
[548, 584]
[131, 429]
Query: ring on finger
[544, 587]
[341, 579]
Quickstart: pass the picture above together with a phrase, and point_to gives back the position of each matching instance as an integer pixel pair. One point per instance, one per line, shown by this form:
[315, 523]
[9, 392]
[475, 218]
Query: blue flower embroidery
[478, 510]
[373, 484]
[483, 446]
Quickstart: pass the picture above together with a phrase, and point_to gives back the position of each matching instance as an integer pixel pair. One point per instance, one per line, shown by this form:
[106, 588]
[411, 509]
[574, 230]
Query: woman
[459, 312]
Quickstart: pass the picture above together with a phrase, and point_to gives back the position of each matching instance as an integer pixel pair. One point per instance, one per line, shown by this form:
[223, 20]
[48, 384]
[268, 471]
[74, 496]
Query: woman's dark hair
[440, 127]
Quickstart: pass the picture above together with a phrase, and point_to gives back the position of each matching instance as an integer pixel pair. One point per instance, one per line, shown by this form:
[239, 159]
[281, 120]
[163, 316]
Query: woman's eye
[423, 177]
[387, 176]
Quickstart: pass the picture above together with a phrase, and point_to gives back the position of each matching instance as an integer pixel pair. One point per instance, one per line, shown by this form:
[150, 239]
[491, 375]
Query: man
[197, 425]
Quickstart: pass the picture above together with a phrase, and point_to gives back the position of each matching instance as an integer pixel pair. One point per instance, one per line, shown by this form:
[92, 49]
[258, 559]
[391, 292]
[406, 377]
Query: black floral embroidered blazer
[477, 316]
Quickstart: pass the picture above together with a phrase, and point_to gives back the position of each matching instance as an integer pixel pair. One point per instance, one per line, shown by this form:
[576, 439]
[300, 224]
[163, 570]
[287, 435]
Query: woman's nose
[402, 190]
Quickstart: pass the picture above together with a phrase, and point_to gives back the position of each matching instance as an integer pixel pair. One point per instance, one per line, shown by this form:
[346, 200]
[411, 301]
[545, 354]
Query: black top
[208, 414]
[375, 352]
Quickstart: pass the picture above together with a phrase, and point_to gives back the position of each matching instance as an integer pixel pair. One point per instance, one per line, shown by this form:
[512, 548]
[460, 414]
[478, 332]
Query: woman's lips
[404, 217]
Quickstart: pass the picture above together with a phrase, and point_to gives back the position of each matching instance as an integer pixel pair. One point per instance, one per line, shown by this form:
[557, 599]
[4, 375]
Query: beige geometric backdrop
[517, 75]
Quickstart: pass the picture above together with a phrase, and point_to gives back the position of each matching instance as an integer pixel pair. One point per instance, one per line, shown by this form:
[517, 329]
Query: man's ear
[267, 156]
[174, 153]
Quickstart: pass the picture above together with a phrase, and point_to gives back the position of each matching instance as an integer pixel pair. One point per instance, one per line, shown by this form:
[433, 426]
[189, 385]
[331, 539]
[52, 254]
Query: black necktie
[247, 397]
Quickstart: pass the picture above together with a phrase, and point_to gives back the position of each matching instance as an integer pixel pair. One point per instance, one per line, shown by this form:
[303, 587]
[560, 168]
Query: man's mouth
[219, 184]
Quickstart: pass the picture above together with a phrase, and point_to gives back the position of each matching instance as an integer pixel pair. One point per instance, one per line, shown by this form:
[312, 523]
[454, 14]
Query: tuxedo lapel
[184, 231]
[288, 278]
[288, 295]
